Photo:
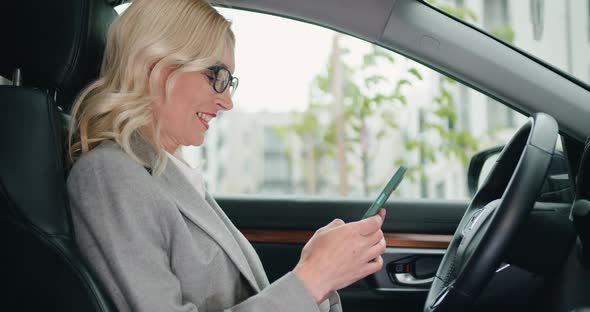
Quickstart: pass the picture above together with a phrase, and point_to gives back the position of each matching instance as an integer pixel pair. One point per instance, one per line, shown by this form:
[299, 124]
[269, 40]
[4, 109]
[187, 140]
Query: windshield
[556, 32]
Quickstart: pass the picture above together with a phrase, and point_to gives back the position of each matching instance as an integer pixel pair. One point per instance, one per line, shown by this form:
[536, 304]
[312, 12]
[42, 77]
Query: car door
[278, 229]
[322, 120]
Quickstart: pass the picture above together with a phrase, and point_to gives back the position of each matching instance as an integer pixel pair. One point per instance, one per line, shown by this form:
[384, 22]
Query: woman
[147, 227]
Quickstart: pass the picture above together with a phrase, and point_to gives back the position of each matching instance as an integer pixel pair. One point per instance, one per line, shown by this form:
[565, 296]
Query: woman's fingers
[369, 225]
[373, 238]
[376, 250]
[373, 266]
[341, 253]
[335, 223]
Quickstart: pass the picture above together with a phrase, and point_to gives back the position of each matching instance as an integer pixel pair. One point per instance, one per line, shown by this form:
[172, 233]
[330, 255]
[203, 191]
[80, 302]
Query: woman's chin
[198, 141]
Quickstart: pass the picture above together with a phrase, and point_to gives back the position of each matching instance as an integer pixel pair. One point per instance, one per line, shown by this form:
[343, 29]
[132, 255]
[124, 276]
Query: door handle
[409, 279]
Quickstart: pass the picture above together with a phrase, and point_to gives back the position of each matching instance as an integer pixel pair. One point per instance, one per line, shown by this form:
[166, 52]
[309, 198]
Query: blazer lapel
[251, 256]
[192, 205]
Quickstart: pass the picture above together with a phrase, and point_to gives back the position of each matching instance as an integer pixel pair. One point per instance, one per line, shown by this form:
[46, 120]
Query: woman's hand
[340, 254]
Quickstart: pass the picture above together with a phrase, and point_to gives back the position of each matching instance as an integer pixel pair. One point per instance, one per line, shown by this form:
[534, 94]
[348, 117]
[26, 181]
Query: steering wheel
[493, 217]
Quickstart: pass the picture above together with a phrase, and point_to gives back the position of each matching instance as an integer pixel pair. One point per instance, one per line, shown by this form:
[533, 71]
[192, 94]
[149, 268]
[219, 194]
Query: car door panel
[300, 213]
[279, 227]
[416, 231]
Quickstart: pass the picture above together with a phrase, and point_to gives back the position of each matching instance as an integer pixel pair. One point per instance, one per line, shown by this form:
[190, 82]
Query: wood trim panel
[407, 240]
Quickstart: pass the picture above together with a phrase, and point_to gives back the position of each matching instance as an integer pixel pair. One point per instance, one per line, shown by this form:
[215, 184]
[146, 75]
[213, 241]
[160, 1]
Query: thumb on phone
[382, 212]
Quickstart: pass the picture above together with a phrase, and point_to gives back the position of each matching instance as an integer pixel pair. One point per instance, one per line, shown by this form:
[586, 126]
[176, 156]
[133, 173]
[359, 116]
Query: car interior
[510, 247]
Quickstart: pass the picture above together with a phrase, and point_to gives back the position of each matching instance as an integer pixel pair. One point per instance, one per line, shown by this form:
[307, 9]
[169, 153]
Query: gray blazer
[157, 245]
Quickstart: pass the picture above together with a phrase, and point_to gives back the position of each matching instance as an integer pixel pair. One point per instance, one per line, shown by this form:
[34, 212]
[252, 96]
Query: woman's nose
[227, 103]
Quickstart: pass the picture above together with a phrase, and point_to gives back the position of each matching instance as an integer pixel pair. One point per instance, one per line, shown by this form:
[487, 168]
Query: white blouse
[193, 175]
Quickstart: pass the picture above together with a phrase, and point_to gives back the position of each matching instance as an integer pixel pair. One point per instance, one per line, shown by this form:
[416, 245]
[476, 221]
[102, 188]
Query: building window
[464, 111]
[499, 115]
[440, 190]
[495, 14]
[537, 18]
[277, 171]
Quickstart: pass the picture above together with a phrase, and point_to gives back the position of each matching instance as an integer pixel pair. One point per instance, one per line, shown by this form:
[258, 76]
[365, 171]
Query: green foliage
[504, 32]
[372, 58]
[415, 72]
[454, 143]
[374, 100]
[367, 95]
[442, 117]
[446, 105]
[461, 12]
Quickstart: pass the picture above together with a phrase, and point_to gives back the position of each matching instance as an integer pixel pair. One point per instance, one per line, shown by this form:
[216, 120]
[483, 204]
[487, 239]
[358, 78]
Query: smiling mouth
[204, 118]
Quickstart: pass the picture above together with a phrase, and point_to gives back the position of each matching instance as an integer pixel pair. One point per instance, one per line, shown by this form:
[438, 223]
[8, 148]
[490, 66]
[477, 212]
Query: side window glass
[558, 186]
[339, 118]
[319, 113]
[4, 81]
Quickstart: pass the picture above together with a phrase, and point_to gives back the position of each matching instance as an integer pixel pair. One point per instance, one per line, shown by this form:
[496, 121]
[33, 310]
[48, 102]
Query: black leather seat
[581, 207]
[58, 47]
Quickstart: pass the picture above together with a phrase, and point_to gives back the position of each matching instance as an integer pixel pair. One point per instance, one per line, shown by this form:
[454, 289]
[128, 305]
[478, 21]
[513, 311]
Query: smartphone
[389, 188]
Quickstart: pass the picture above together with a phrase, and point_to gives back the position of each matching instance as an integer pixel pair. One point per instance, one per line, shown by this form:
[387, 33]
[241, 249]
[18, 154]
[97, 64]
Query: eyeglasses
[221, 78]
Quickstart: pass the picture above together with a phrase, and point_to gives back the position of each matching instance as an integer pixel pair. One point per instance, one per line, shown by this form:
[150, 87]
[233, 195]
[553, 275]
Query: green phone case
[389, 188]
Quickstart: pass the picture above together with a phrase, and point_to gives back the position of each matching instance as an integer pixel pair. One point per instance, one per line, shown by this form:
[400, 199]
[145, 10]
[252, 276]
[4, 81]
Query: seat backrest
[581, 206]
[58, 47]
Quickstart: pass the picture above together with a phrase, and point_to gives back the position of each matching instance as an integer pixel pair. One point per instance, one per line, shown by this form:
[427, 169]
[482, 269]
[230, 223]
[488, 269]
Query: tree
[374, 97]
[357, 95]
[455, 142]
[311, 132]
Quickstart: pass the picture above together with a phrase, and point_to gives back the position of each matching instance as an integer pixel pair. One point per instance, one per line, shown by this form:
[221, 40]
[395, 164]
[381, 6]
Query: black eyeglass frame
[231, 80]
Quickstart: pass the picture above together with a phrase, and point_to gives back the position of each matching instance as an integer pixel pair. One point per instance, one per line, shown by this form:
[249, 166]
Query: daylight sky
[273, 66]
[277, 58]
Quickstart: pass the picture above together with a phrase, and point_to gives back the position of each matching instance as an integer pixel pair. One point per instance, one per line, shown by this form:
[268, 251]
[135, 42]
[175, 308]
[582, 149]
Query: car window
[556, 32]
[319, 113]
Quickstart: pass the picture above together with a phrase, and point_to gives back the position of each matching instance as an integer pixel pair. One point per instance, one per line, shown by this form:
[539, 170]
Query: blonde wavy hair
[151, 35]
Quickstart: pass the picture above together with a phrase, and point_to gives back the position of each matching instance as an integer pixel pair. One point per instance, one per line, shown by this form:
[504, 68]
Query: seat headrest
[57, 44]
